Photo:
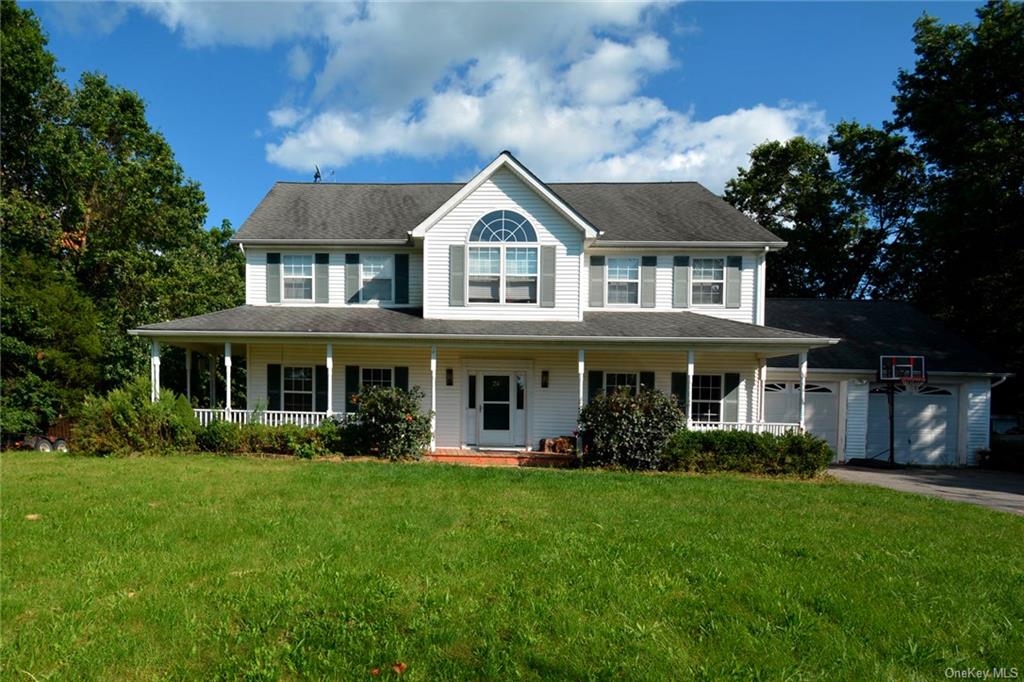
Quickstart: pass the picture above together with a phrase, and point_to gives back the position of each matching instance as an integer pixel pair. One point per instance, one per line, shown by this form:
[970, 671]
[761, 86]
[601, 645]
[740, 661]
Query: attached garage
[925, 424]
[821, 408]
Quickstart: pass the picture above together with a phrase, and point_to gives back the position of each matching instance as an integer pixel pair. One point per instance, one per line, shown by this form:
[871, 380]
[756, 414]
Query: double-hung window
[297, 273]
[614, 381]
[506, 269]
[298, 389]
[708, 286]
[378, 278]
[623, 281]
[377, 376]
[707, 397]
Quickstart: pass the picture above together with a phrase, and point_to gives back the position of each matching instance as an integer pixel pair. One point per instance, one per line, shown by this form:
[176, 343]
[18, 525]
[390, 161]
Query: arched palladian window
[506, 269]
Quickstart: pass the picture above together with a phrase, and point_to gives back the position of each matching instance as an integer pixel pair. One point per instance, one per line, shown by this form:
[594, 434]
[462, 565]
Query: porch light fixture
[544, 379]
[449, 377]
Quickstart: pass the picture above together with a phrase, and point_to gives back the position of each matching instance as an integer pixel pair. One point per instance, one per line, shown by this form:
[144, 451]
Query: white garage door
[821, 413]
[925, 425]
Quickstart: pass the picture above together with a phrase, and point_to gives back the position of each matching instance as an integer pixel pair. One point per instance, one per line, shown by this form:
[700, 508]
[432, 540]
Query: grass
[227, 567]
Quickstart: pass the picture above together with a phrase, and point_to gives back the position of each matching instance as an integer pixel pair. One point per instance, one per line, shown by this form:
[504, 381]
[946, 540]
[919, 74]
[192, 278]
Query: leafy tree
[963, 106]
[99, 220]
[791, 189]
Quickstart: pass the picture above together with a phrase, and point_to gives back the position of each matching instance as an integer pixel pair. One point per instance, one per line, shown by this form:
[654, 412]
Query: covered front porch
[483, 396]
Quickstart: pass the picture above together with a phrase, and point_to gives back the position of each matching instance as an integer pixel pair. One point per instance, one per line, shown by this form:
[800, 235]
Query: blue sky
[248, 94]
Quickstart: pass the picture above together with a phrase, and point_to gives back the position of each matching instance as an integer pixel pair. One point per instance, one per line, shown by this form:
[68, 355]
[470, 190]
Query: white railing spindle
[268, 417]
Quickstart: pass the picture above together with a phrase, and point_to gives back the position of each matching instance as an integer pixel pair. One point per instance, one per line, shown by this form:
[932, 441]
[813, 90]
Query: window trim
[363, 369]
[720, 401]
[635, 375]
[502, 272]
[362, 279]
[312, 391]
[312, 279]
[608, 280]
[694, 281]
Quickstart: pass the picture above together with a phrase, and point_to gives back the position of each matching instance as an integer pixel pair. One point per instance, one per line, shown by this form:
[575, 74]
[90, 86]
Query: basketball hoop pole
[892, 423]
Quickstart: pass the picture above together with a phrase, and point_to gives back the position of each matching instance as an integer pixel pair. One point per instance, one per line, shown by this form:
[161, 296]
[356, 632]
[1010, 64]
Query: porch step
[485, 458]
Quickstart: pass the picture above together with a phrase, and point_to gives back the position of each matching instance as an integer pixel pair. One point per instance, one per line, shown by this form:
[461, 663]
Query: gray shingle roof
[383, 322]
[872, 328]
[642, 211]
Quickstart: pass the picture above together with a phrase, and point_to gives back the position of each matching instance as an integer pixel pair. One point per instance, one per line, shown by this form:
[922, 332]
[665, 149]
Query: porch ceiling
[381, 323]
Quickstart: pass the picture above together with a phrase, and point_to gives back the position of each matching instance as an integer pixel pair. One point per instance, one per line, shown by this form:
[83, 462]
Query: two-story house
[508, 301]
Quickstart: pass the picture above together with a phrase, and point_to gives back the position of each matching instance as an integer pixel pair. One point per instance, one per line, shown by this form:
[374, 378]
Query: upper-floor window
[708, 286]
[378, 278]
[297, 273]
[506, 271]
[623, 281]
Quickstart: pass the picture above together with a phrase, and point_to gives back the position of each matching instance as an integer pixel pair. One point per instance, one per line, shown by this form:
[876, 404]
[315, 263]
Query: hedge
[760, 453]
[626, 430]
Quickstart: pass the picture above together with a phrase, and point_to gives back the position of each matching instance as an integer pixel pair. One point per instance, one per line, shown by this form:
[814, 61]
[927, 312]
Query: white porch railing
[777, 428]
[268, 417]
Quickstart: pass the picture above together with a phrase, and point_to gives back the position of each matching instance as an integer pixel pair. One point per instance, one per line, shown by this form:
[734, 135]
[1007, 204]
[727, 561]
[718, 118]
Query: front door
[495, 401]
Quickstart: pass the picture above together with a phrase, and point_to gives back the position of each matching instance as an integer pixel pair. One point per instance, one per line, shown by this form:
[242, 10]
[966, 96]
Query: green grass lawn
[216, 567]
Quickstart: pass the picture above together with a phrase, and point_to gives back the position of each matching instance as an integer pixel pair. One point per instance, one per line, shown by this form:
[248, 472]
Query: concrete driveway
[1002, 490]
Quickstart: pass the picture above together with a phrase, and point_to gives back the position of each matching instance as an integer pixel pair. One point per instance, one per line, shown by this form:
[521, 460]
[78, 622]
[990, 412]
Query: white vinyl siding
[979, 417]
[504, 191]
[747, 312]
[856, 419]
[256, 275]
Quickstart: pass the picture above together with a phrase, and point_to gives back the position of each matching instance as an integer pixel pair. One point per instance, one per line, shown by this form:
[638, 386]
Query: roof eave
[809, 342]
[321, 242]
[631, 244]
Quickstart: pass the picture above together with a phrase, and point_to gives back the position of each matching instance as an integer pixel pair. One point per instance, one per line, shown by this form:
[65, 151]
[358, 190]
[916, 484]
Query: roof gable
[506, 160]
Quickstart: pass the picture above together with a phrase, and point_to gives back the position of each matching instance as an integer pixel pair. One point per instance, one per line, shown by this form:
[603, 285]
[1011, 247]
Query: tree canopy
[929, 208]
[102, 231]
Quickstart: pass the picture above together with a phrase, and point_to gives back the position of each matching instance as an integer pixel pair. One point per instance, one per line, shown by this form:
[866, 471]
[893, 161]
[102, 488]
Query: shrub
[341, 436]
[391, 423]
[629, 431]
[221, 436]
[127, 422]
[759, 453]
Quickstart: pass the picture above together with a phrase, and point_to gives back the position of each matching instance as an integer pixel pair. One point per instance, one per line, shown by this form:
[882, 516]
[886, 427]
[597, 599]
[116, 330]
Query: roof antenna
[316, 176]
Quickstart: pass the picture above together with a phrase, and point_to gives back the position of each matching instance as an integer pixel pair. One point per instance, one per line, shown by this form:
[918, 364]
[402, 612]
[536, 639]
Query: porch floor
[501, 458]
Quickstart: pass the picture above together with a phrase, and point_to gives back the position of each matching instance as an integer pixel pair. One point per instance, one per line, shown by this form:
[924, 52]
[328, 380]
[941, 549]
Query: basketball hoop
[907, 371]
[911, 384]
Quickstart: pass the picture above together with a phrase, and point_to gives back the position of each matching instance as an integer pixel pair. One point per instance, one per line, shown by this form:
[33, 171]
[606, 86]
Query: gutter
[491, 337]
[322, 242]
[620, 244]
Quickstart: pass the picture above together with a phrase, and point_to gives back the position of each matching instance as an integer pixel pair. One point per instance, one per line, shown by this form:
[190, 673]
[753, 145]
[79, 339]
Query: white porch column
[227, 376]
[188, 374]
[580, 358]
[330, 379]
[763, 373]
[433, 398]
[689, 387]
[154, 370]
[803, 388]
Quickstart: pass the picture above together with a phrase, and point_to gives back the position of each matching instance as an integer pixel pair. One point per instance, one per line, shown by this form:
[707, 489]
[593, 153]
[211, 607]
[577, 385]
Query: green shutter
[731, 398]
[351, 386]
[457, 275]
[647, 380]
[402, 378]
[273, 387]
[320, 394]
[352, 277]
[547, 277]
[681, 282]
[321, 278]
[597, 275]
[679, 389]
[648, 281]
[273, 278]
[595, 384]
[401, 278]
[733, 268]
[471, 401]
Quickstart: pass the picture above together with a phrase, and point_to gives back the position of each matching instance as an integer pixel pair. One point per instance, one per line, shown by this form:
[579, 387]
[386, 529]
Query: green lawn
[216, 567]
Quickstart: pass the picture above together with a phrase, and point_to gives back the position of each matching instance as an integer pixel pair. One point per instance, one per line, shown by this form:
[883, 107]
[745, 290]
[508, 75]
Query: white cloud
[285, 117]
[300, 63]
[561, 84]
